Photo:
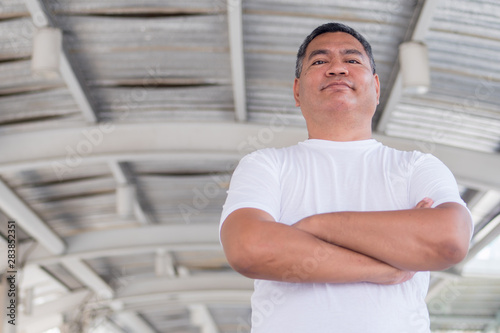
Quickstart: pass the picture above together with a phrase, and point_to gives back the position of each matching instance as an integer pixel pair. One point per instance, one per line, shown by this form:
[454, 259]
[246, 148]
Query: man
[360, 224]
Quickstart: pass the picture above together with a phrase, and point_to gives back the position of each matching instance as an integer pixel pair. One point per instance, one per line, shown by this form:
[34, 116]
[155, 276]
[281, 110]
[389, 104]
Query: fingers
[425, 203]
[407, 275]
[397, 277]
[403, 276]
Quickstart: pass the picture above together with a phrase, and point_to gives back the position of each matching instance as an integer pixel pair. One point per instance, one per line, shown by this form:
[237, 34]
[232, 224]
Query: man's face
[336, 80]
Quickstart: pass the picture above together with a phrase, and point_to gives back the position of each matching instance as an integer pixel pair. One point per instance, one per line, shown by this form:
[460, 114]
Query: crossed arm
[380, 247]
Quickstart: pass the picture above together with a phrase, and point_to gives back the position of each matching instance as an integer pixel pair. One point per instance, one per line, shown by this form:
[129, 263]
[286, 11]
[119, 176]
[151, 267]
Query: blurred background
[121, 122]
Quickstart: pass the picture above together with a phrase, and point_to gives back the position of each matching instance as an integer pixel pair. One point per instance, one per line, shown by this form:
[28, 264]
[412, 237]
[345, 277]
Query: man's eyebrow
[352, 51]
[317, 52]
[344, 52]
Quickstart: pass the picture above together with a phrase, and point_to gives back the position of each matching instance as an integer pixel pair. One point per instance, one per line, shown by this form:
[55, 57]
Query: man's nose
[337, 68]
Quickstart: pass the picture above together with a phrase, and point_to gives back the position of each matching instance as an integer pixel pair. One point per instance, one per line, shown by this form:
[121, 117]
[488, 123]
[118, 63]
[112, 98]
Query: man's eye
[353, 61]
[319, 62]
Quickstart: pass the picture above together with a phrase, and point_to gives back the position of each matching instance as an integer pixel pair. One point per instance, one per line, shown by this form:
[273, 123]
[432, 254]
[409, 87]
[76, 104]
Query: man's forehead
[346, 42]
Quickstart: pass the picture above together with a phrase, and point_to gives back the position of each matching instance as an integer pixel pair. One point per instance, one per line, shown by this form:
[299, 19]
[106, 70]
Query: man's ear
[296, 87]
[377, 87]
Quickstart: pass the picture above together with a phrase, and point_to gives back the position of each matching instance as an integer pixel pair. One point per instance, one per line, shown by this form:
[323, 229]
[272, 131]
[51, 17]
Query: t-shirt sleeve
[431, 178]
[254, 184]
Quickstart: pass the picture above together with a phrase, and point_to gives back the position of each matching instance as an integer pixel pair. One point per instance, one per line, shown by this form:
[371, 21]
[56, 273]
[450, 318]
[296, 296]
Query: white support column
[201, 317]
[76, 88]
[127, 201]
[164, 264]
[418, 33]
[16, 209]
[235, 20]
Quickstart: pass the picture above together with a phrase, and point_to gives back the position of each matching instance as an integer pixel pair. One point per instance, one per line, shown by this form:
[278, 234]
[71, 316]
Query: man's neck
[333, 134]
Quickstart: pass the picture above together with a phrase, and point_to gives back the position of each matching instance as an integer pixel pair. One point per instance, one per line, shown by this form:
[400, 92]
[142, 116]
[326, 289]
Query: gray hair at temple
[332, 27]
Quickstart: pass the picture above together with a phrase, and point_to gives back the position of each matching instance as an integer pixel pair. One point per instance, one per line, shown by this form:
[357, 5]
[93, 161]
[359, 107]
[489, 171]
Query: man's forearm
[264, 249]
[414, 239]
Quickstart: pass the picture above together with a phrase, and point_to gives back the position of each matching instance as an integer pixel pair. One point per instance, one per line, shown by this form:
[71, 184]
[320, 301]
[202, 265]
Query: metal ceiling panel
[48, 175]
[130, 7]
[184, 199]
[16, 37]
[37, 106]
[17, 78]
[176, 103]
[189, 47]
[12, 8]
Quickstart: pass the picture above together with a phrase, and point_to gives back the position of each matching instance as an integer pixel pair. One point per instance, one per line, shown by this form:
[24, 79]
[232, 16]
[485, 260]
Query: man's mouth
[336, 84]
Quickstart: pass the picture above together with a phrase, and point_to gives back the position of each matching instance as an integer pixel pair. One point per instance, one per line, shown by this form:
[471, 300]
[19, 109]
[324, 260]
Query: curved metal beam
[146, 239]
[145, 301]
[164, 285]
[473, 169]
[67, 148]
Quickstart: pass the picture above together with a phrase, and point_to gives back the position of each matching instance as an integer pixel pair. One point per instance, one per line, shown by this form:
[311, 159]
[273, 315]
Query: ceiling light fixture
[414, 63]
[46, 57]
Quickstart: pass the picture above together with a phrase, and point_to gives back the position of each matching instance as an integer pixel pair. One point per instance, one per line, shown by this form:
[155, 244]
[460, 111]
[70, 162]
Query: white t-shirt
[320, 176]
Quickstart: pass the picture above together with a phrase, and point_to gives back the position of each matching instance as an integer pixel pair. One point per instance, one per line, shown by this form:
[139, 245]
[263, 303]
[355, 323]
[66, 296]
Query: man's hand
[425, 203]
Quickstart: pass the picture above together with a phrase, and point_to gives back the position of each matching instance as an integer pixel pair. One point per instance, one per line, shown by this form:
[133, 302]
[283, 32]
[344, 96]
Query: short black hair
[332, 27]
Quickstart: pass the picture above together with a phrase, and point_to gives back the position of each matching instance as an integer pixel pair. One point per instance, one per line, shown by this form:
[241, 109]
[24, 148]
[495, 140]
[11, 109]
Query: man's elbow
[454, 246]
[453, 249]
[246, 256]
[442, 256]
[241, 261]
[453, 252]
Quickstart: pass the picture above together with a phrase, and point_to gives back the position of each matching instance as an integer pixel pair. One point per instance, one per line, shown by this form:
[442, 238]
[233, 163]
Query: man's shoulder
[408, 159]
[414, 155]
[272, 152]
